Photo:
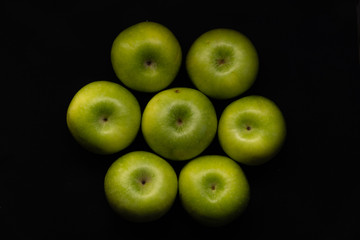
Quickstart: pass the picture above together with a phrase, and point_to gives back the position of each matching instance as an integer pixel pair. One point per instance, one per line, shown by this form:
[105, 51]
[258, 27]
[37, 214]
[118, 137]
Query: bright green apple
[140, 186]
[213, 189]
[252, 130]
[104, 117]
[146, 57]
[222, 63]
[179, 123]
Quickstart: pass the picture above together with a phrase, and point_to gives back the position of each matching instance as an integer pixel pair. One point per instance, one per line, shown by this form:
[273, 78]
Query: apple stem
[221, 61]
[179, 122]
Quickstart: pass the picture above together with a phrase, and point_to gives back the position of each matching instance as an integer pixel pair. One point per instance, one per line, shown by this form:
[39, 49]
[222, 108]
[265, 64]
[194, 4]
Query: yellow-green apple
[140, 186]
[213, 189]
[179, 123]
[252, 130]
[222, 63]
[146, 56]
[104, 117]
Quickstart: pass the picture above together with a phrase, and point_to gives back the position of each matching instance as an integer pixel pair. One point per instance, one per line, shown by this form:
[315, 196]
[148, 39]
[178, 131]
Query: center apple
[179, 123]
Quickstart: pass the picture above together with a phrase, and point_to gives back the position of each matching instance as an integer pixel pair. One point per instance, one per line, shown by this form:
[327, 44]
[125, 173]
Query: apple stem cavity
[149, 63]
[248, 128]
[104, 119]
[143, 180]
[221, 61]
[179, 122]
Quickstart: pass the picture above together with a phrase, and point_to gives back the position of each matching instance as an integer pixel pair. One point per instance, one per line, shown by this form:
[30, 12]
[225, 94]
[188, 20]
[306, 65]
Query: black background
[51, 188]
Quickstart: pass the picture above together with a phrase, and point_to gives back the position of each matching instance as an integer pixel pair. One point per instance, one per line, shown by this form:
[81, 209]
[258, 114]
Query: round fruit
[146, 57]
[213, 190]
[104, 117]
[179, 123]
[222, 63]
[252, 130]
[140, 186]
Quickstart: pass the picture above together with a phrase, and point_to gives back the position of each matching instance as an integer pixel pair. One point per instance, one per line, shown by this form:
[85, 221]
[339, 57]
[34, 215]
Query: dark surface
[51, 188]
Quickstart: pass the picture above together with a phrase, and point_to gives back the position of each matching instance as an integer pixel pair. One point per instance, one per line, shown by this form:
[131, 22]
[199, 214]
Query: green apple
[179, 123]
[252, 130]
[146, 57]
[222, 63]
[213, 189]
[140, 186]
[104, 117]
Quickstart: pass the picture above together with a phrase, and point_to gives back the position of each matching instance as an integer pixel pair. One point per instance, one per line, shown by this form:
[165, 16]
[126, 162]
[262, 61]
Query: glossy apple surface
[104, 117]
[140, 186]
[179, 123]
[222, 63]
[213, 190]
[146, 57]
[252, 130]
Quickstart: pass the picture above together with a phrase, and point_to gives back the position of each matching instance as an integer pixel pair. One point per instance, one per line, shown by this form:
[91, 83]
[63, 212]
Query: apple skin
[214, 190]
[141, 186]
[146, 57]
[252, 130]
[222, 63]
[179, 123]
[104, 117]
